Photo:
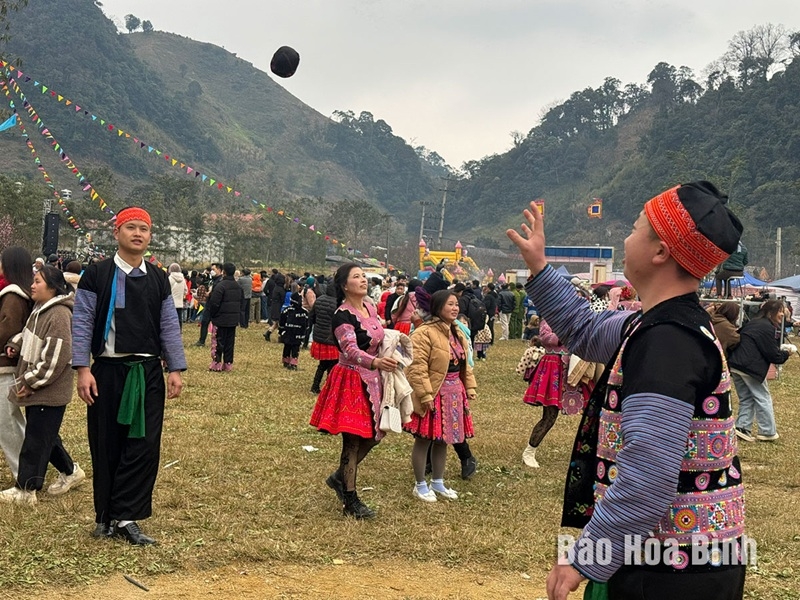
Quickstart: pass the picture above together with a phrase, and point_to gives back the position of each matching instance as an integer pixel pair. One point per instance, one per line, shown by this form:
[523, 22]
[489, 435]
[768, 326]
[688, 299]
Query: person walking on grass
[506, 302]
[292, 329]
[665, 389]
[349, 403]
[125, 318]
[443, 386]
[224, 307]
[44, 388]
[749, 363]
[15, 306]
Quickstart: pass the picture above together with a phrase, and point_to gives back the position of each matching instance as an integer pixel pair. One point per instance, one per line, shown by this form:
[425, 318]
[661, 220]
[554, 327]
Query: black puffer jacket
[225, 302]
[757, 349]
[322, 316]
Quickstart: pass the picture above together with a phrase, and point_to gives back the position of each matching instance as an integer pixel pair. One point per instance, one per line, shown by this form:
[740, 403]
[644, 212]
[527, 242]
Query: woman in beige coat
[443, 386]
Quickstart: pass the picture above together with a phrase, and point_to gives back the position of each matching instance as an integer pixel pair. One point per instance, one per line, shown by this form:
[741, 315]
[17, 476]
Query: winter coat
[224, 303]
[736, 261]
[507, 302]
[491, 301]
[757, 349]
[45, 354]
[396, 389]
[293, 322]
[426, 374]
[177, 284]
[726, 332]
[246, 283]
[15, 306]
[321, 316]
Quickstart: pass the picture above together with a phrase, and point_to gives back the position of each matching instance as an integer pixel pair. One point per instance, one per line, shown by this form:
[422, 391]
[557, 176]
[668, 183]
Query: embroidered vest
[710, 498]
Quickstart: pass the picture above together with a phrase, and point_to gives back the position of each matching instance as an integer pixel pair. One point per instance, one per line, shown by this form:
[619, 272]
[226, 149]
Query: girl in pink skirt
[443, 386]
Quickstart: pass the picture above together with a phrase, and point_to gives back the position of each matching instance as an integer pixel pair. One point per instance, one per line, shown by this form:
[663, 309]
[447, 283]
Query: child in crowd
[44, 388]
[531, 329]
[292, 329]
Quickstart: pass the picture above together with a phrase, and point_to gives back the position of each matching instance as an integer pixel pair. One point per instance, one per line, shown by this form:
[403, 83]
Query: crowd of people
[397, 354]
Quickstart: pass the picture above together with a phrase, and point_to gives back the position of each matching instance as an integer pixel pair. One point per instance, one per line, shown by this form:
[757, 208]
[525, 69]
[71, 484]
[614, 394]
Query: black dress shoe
[102, 530]
[133, 535]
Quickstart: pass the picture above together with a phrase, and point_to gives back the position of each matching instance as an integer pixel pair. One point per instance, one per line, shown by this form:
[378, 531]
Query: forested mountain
[211, 110]
[736, 124]
[739, 127]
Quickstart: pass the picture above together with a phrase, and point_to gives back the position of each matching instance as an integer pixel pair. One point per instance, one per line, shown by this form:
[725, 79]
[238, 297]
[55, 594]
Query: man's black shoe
[468, 467]
[200, 344]
[133, 535]
[103, 530]
[267, 335]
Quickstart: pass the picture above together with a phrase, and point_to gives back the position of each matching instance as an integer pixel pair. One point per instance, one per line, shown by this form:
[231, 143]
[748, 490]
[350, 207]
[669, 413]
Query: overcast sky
[457, 76]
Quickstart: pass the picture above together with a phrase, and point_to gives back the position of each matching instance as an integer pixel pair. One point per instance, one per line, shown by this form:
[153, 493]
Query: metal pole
[441, 220]
[422, 221]
[778, 255]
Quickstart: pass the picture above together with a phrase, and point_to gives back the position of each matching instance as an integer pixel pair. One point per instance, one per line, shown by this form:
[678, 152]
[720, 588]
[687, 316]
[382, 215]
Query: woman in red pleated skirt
[349, 402]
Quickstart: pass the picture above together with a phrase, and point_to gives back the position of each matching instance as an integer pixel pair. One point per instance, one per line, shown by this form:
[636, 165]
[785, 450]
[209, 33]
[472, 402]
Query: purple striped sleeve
[592, 336]
[171, 341]
[655, 429]
[83, 316]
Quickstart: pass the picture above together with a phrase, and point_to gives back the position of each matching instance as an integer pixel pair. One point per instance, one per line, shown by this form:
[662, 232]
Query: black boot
[334, 481]
[315, 389]
[354, 507]
[267, 334]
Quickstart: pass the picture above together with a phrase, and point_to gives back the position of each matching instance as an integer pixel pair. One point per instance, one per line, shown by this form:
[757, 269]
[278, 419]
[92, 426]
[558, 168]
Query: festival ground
[241, 509]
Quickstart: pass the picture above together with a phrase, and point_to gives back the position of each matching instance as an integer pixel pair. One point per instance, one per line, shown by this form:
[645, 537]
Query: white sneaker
[529, 457]
[768, 438]
[15, 495]
[428, 496]
[65, 483]
[447, 493]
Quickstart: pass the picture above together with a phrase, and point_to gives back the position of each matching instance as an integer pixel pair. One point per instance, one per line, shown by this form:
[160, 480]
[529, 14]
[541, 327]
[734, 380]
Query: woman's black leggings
[545, 424]
[354, 450]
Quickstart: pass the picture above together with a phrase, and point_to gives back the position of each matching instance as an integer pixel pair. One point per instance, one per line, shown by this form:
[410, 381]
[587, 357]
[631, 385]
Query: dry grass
[245, 492]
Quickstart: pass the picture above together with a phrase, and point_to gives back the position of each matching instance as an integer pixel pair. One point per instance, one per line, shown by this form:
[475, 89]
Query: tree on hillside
[132, 23]
[147, 26]
[757, 53]
[663, 85]
[7, 6]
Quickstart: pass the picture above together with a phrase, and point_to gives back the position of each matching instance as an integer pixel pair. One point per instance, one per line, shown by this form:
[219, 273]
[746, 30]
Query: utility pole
[441, 219]
[386, 256]
[423, 203]
[778, 255]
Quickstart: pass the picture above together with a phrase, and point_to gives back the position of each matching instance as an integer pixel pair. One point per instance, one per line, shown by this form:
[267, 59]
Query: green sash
[131, 408]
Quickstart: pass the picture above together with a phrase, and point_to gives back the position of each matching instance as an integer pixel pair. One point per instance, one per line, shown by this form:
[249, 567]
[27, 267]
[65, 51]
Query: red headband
[133, 213]
[675, 227]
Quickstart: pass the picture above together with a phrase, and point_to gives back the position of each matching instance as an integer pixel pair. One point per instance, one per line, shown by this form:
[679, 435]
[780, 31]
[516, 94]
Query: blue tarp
[562, 270]
[792, 282]
[748, 280]
[9, 123]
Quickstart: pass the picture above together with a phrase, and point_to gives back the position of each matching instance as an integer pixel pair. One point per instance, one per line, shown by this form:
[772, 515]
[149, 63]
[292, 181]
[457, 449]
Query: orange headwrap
[675, 227]
[132, 213]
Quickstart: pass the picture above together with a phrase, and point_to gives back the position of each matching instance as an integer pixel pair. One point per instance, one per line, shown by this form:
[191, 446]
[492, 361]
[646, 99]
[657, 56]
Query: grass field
[243, 491]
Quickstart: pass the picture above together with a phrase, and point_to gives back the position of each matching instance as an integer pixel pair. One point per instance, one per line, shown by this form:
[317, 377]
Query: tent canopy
[562, 270]
[792, 282]
[748, 280]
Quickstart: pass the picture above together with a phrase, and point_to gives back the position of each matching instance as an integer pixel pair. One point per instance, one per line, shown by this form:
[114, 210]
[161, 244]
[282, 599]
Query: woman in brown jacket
[724, 318]
[443, 386]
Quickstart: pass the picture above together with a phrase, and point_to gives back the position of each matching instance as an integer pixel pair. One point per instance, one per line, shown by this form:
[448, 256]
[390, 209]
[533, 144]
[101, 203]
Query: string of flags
[595, 209]
[171, 160]
[48, 181]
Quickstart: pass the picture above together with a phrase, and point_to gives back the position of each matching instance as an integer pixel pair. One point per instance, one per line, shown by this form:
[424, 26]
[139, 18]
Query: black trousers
[226, 339]
[636, 583]
[244, 312]
[291, 351]
[42, 445]
[124, 469]
[205, 321]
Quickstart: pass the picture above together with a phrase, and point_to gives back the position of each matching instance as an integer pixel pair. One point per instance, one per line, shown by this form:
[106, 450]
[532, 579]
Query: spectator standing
[224, 307]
